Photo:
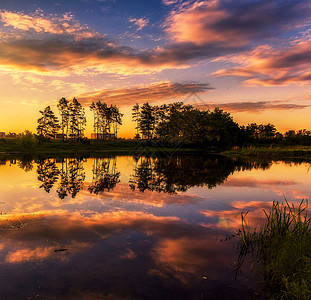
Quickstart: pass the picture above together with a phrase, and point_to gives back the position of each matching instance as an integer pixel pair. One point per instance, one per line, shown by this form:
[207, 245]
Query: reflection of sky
[20, 192]
[126, 238]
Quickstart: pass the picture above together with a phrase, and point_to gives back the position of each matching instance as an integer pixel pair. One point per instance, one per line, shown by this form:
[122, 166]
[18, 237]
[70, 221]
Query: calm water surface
[134, 227]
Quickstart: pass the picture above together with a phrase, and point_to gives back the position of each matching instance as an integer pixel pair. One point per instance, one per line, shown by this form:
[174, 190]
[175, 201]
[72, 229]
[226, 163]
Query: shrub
[26, 142]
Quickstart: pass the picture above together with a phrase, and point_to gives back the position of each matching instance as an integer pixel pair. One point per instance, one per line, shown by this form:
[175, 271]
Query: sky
[251, 58]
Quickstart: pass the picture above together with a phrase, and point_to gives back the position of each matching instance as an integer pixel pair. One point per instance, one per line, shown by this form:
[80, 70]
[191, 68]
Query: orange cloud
[40, 23]
[154, 92]
[252, 182]
[205, 29]
[270, 67]
[231, 219]
[26, 254]
[234, 23]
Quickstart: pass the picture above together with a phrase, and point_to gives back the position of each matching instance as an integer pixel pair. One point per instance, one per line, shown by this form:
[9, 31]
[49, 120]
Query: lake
[135, 227]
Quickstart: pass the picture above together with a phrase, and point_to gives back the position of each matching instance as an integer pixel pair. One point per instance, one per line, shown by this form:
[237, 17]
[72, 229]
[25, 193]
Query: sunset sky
[251, 58]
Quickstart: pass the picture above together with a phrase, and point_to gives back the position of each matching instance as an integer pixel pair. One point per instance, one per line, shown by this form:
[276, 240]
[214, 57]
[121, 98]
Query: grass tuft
[283, 247]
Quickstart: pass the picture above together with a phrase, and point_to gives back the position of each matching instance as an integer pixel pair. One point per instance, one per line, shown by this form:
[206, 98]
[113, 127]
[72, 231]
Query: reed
[283, 247]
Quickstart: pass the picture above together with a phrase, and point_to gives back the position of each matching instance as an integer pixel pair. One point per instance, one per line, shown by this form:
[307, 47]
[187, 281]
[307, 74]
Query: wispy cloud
[41, 23]
[268, 66]
[155, 92]
[140, 23]
[170, 2]
[248, 106]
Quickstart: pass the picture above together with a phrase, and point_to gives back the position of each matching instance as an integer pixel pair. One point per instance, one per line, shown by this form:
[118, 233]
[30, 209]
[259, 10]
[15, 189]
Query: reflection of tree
[72, 177]
[105, 175]
[147, 177]
[47, 173]
[26, 164]
[180, 172]
[170, 175]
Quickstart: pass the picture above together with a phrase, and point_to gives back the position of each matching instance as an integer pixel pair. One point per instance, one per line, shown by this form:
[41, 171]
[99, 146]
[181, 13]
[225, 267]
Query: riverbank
[137, 147]
[272, 152]
[120, 146]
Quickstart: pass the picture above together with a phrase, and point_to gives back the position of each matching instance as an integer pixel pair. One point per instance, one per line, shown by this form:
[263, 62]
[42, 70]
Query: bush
[26, 142]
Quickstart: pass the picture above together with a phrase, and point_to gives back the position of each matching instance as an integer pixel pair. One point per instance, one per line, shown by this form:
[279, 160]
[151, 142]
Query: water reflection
[72, 177]
[105, 175]
[144, 227]
[179, 173]
[176, 173]
[48, 173]
[125, 256]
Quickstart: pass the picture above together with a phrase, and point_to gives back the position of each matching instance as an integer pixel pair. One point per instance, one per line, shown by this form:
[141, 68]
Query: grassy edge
[283, 247]
[271, 152]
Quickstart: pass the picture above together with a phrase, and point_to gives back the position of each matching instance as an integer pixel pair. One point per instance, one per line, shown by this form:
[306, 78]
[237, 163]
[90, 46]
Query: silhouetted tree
[116, 117]
[48, 124]
[106, 119]
[77, 120]
[136, 118]
[63, 107]
[146, 120]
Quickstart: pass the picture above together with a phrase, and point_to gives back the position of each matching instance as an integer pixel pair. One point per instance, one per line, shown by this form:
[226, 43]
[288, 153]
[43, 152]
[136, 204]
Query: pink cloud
[154, 92]
[253, 107]
[234, 23]
[267, 66]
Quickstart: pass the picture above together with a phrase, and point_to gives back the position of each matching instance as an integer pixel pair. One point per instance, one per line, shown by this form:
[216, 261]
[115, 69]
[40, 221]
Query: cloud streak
[155, 92]
[248, 106]
[270, 67]
[140, 23]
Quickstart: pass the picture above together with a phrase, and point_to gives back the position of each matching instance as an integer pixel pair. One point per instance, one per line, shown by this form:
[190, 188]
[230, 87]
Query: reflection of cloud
[67, 227]
[180, 255]
[122, 194]
[297, 194]
[252, 182]
[154, 92]
[112, 247]
[252, 106]
[231, 219]
[23, 255]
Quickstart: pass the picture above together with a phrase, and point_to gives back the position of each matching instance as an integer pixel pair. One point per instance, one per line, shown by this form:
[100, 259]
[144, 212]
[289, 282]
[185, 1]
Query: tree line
[71, 121]
[180, 123]
[174, 123]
